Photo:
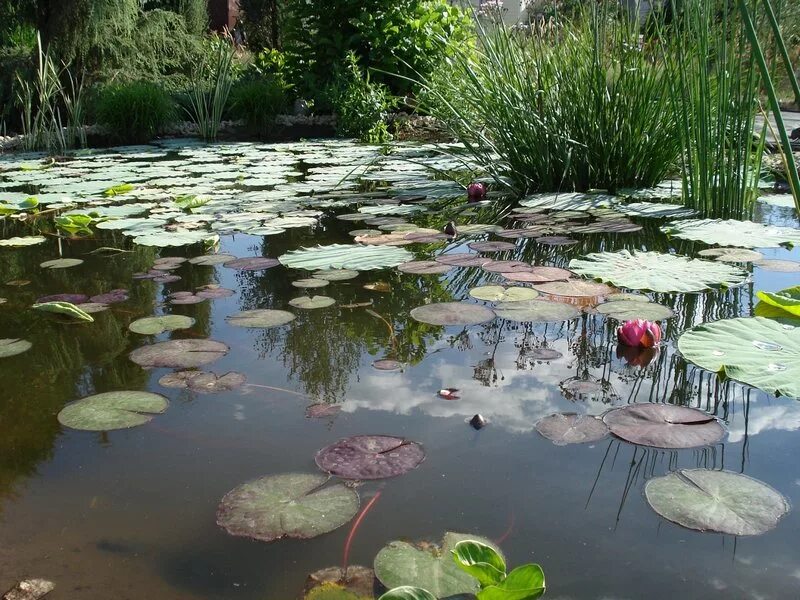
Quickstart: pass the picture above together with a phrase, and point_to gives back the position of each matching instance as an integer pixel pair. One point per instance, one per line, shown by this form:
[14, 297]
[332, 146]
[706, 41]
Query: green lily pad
[656, 210]
[310, 282]
[61, 263]
[179, 354]
[407, 592]
[210, 260]
[657, 272]
[345, 256]
[787, 300]
[157, 325]
[19, 242]
[263, 318]
[571, 428]
[112, 410]
[293, 505]
[744, 234]
[64, 308]
[310, 303]
[733, 255]
[569, 201]
[498, 293]
[335, 274]
[452, 313]
[779, 266]
[401, 563]
[13, 346]
[757, 351]
[574, 288]
[537, 311]
[627, 310]
[716, 501]
[664, 425]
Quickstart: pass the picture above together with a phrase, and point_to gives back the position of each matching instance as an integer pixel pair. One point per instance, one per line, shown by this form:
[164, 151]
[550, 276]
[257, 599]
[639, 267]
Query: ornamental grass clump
[575, 107]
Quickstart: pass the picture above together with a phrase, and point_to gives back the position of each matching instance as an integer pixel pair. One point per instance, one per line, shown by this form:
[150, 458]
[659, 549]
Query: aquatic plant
[639, 334]
[211, 85]
[134, 112]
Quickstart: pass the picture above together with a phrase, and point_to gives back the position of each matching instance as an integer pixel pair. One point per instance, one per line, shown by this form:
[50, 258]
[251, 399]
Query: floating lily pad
[658, 272]
[717, 501]
[179, 354]
[627, 310]
[574, 288]
[538, 311]
[19, 242]
[498, 293]
[66, 309]
[387, 364]
[491, 246]
[745, 234]
[787, 300]
[569, 201]
[157, 325]
[571, 428]
[539, 275]
[543, 354]
[263, 318]
[213, 291]
[334, 583]
[71, 298]
[656, 210]
[462, 260]
[253, 263]
[211, 259]
[556, 240]
[293, 505]
[112, 410]
[664, 426]
[203, 381]
[452, 313]
[733, 255]
[756, 351]
[336, 274]
[310, 303]
[13, 346]
[112, 297]
[94, 307]
[310, 282]
[189, 298]
[424, 267]
[400, 563]
[322, 410]
[779, 266]
[505, 266]
[370, 457]
[61, 263]
[346, 256]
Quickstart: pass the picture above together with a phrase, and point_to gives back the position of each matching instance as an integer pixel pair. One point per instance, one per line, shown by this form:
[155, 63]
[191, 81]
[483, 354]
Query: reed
[211, 85]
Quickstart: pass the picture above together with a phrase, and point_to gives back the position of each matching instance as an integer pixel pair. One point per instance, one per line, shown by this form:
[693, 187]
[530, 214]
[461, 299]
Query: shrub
[360, 105]
[134, 112]
[257, 102]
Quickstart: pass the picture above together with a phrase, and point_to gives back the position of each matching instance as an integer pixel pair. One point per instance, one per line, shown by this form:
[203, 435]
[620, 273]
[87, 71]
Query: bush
[134, 112]
[257, 102]
[392, 39]
[360, 105]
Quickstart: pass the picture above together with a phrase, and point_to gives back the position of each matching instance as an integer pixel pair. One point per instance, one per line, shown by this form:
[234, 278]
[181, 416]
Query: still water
[131, 513]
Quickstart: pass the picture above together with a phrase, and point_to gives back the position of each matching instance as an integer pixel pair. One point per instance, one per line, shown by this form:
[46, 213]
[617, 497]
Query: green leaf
[157, 325]
[117, 190]
[64, 308]
[480, 561]
[407, 592]
[346, 256]
[742, 234]
[112, 410]
[523, 583]
[788, 299]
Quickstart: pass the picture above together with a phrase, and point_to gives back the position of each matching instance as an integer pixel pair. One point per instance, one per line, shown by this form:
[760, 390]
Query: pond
[132, 513]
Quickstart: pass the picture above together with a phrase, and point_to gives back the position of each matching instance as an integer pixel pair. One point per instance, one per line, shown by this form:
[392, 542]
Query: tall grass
[714, 84]
[211, 86]
[574, 107]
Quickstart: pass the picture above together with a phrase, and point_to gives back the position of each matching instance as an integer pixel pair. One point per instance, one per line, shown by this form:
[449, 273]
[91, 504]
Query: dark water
[131, 514]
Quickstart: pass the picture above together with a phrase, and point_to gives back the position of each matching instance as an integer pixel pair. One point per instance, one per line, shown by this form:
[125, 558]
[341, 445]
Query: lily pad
[71, 298]
[491, 246]
[336, 274]
[310, 282]
[61, 263]
[179, 354]
[157, 325]
[627, 310]
[779, 266]
[354, 257]
[13, 346]
[539, 275]
[253, 263]
[294, 505]
[203, 381]
[574, 288]
[556, 240]
[400, 563]
[498, 293]
[310, 303]
[387, 364]
[745, 234]
[787, 300]
[112, 410]
[462, 260]
[571, 428]
[658, 272]
[656, 210]
[112, 297]
[505, 266]
[424, 267]
[370, 457]
[538, 311]
[452, 313]
[757, 351]
[66, 309]
[19, 242]
[210, 260]
[664, 426]
[717, 501]
[263, 318]
[213, 291]
[733, 255]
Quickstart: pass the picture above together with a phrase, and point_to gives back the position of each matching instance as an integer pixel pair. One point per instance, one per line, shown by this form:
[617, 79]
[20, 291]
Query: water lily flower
[476, 191]
[449, 394]
[639, 334]
[636, 357]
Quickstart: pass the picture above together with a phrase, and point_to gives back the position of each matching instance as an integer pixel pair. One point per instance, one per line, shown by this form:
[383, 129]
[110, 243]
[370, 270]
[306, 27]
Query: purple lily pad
[387, 364]
[167, 278]
[180, 298]
[179, 354]
[571, 428]
[462, 260]
[556, 240]
[506, 266]
[543, 354]
[252, 263]
[213, 292]
[370, 457]
[664, 426]
[71, 298]
[539, 275]
[112, 297]
[424, 267]
[203, 382]
[491, 246]
[452, 313]
[322, 410]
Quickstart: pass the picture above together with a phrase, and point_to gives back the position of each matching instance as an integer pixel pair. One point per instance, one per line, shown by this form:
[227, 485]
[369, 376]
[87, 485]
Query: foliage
[560, 109]
[388, 37]
[258, 102]
[211, 86]
[261, 19]
[134, 112]
[360, 105]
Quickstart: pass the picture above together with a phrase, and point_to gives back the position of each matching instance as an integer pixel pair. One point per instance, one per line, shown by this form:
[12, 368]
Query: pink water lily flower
[639, 334]
[477, 191]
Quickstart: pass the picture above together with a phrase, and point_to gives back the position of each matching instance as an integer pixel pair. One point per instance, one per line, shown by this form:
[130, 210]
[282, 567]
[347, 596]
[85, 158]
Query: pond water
[131, 513]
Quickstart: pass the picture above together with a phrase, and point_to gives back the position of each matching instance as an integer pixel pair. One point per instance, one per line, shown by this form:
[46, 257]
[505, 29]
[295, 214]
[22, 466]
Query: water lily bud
[639, 334]
[476, 191]
[478, 422]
